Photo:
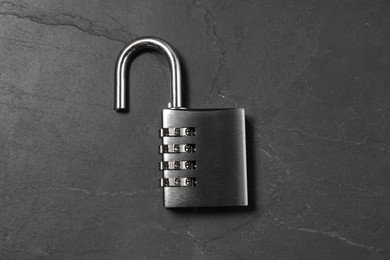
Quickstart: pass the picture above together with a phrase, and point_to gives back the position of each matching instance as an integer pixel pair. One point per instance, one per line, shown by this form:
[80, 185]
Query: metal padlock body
[219, 177]
[204, 150]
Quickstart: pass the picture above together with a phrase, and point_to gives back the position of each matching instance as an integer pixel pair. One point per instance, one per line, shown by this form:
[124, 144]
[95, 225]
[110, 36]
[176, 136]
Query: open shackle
[122, 68]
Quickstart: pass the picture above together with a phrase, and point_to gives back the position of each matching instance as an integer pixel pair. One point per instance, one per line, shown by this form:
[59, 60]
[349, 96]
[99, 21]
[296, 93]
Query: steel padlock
[203, 150]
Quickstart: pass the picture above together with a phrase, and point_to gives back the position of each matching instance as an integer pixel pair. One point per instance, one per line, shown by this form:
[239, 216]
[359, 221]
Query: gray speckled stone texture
[80, 181]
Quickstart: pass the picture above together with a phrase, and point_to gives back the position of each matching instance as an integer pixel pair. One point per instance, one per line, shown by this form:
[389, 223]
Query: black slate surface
[80, 181]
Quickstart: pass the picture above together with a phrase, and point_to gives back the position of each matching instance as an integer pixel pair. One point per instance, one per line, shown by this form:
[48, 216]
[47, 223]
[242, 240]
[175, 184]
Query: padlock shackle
[122, 68]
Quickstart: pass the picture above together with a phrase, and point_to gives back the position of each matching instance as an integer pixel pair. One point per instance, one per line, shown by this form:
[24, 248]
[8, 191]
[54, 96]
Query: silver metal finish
[122, 67]
[177, 165]
[203, 150]
[220, 156]
[177, 148]
[177, 131]
[178, 182]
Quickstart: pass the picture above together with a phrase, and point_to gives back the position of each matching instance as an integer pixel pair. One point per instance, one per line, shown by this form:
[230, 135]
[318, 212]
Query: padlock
[203, 150]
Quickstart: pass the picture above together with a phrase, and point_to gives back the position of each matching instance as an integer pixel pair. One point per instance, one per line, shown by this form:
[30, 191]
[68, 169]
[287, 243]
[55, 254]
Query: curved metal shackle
[122, 67]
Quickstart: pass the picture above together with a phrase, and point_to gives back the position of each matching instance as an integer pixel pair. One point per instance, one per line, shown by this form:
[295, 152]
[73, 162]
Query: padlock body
[204, 157]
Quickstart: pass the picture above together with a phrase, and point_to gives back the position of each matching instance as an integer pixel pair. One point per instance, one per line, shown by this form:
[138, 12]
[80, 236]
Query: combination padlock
[203, 150]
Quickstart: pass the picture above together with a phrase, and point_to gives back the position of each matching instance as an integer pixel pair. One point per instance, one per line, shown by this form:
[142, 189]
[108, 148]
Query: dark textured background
[78, 180]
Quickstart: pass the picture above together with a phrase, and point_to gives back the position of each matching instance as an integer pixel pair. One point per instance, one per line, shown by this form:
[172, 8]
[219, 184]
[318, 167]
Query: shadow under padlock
[204, 150]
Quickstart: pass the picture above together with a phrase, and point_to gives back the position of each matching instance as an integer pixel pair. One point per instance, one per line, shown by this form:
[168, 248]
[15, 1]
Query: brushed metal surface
[221, 173]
